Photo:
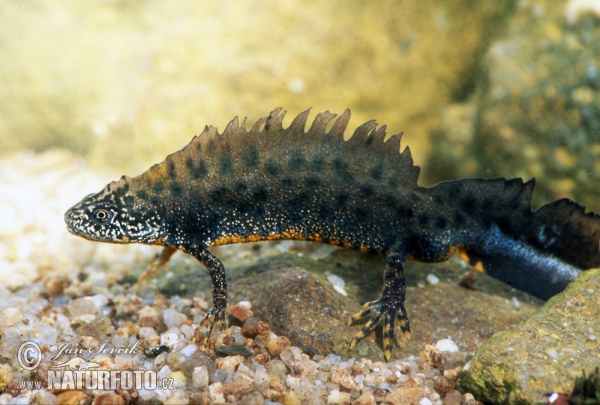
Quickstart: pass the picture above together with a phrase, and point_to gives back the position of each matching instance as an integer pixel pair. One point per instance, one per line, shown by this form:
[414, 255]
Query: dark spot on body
[342, 200]
[251, 157]
[272, 168]
[369, 140]
[312, 183]
[505, 225]
[142, 195]
[198, 147]
[317, 163]
[260, 195]
[459, 219]
[226, 166]
[362, 213]
[219, 194]
[199, 170]
[468, 204]
[391, 200]
[158, 187]
[297, 161]
[176, 189]
[171, 169]
[295, 208]
[326, 214]
[367, 191]
[241, 188]
[341, 169]
[441, 223]
[155, 201]
[393, 182]
[487, 205]
[287, 181]
[423, 219]
[376, 171]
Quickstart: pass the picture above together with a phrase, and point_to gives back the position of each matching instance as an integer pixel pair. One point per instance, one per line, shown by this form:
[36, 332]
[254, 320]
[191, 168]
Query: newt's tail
[539, 252]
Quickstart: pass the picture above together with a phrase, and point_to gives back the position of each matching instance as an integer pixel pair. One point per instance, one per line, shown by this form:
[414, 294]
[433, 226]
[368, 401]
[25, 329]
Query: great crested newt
[273, 183]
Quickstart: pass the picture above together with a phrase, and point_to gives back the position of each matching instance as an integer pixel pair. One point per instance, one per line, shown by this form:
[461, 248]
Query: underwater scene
[300, 202]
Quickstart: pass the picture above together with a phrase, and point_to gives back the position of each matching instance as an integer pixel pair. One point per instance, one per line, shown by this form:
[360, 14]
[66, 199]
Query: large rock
[545, 353]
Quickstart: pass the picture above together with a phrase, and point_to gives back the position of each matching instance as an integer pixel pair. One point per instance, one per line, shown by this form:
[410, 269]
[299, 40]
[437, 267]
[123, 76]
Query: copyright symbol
[29, 355]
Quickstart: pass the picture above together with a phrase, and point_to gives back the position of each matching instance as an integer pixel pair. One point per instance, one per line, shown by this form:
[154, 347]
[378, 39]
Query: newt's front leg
[390, 306]
[219, 286]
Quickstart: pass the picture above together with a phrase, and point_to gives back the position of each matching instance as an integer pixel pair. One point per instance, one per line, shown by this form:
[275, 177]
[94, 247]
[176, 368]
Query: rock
[6, 376]
[108, 398]
[544, 353]
[239, 388]
[200, 377]
[70, 397]
[366, 398]
[293, 295]
[406, 396]
[229, 361]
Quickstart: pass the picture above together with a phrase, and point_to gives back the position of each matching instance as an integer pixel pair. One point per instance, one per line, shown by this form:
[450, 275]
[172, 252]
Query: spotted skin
[270, 183]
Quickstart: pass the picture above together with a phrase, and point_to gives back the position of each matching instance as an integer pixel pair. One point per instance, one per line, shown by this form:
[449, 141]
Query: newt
[272, 182]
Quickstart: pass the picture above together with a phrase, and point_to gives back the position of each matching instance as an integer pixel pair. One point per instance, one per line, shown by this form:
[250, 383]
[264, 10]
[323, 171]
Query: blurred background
[480, 88]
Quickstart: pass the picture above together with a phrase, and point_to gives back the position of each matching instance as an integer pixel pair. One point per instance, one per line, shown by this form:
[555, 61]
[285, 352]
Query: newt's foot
[389, 307]
[215, 316]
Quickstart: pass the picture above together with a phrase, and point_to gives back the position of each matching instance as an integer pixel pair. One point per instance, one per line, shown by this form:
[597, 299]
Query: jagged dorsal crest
[238, 151]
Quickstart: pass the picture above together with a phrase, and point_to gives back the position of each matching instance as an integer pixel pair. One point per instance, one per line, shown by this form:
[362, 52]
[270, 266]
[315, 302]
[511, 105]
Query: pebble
[10, 317]
[172, 318]
[200, 377]
[446, 345]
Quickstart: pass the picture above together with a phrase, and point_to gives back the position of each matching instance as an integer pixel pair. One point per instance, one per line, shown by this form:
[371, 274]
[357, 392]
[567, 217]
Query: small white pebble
[552, 353]
[188, 350]
[553, 397]
[446, 345]
[432, 279]
[10, 317]
[425, 401]
[200, 377]
[516, 302]
[246, 304]
[169, 339]
[592, 337]
[338, 397]
[338, 284]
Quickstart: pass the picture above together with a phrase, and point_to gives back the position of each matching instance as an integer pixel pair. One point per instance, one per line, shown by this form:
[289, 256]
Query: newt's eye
[101, 215]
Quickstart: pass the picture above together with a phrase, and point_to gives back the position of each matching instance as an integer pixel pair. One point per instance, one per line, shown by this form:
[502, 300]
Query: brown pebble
[452, 374]
[263, 328]
[277, 386]
[366, 398]
[277, 345]
[13, 388]
[250, 328]
[228, 340]
[442, 384]
[149, 321]
[343, 377]
[262, 358]
[404, 396]
[108, 398]
[454, 398]
[468, 280]
[239, 388]
[70, 397]
[430, 354]
[240, 312]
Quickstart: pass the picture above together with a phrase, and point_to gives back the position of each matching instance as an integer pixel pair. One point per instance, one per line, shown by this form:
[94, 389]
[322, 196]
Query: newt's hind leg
[389, 306]
[166, 254]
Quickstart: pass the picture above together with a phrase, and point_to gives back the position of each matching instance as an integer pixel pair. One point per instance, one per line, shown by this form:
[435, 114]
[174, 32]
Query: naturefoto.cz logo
[78, 373]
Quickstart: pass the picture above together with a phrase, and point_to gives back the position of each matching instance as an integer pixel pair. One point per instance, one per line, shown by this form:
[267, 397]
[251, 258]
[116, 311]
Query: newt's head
[113, 216]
